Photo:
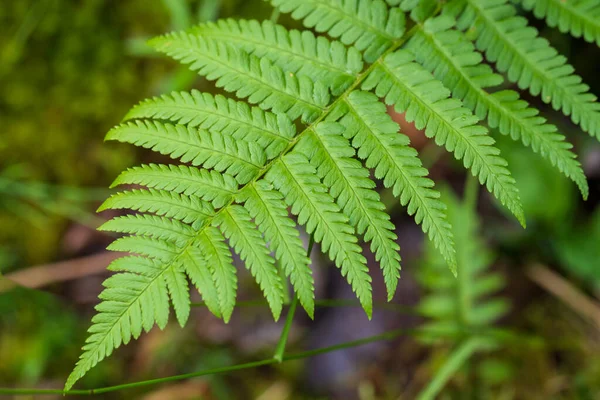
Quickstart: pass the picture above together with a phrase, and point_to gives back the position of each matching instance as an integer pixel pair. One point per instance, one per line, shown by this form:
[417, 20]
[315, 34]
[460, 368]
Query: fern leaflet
[218, 259]
[222, 115]
[301, 53]
[187, 209]
[208, 185]
[212, 150]
[152, 226]
[368, 24]
[194, 264]
[256, 79]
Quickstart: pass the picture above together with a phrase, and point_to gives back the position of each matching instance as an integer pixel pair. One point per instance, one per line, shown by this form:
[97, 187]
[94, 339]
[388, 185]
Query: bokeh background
[69, 71]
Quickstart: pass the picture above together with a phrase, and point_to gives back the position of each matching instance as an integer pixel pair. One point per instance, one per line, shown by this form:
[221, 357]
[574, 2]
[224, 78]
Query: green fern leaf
[388, 152]
[581, 18]
[158, 249]
[134, 300]
[211, 150]
[152, 226]
[298, 52]
[208, 185]
[220, 114]
[237, 226]
[453, 60]
[199, 270]
[270, 213]
[412, 89]
[187, 209]
[218, 258]
[404, 5]
[248, 76]
[178, 288]
[349, 183]
[527, 59]
[296, 179]
[368, 24]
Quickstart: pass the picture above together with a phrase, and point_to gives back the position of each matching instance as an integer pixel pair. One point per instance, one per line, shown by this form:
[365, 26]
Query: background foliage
[65, 84]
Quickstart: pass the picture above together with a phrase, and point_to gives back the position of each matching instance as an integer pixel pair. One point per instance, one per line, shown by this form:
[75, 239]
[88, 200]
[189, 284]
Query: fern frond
[296, 179]
[452, 59]
[267, 208]
[133, 300]
[367, 24]
[152, 226]
[349, 183]
[378, 141]
[208, 185]
[581, 18]
[220, 114]
[301, 53]
[187, 209]
[218, 259]
[468, 301]
[248, 76]
[527, 59]
[237, 226]
[412, 89]
[198, 268]
[198, 147]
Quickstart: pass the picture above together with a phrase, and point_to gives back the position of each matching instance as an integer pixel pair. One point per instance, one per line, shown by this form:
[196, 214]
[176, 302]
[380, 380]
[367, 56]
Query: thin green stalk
[280, 349]
[458, 357]
[496, 334]
[471, 192]
[296, 356]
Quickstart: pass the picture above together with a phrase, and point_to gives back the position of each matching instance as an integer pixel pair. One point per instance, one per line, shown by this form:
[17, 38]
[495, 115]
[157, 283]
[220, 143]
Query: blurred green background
[69, 70]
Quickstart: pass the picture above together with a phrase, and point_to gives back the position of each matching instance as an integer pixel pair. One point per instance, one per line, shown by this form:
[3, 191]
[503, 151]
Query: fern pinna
[309, 135]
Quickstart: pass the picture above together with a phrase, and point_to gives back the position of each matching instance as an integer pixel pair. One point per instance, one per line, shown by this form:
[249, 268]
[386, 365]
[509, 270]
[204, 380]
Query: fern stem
[280, 349]
[514, 338]
[296, 356]
[471, 192]
[449, 369]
